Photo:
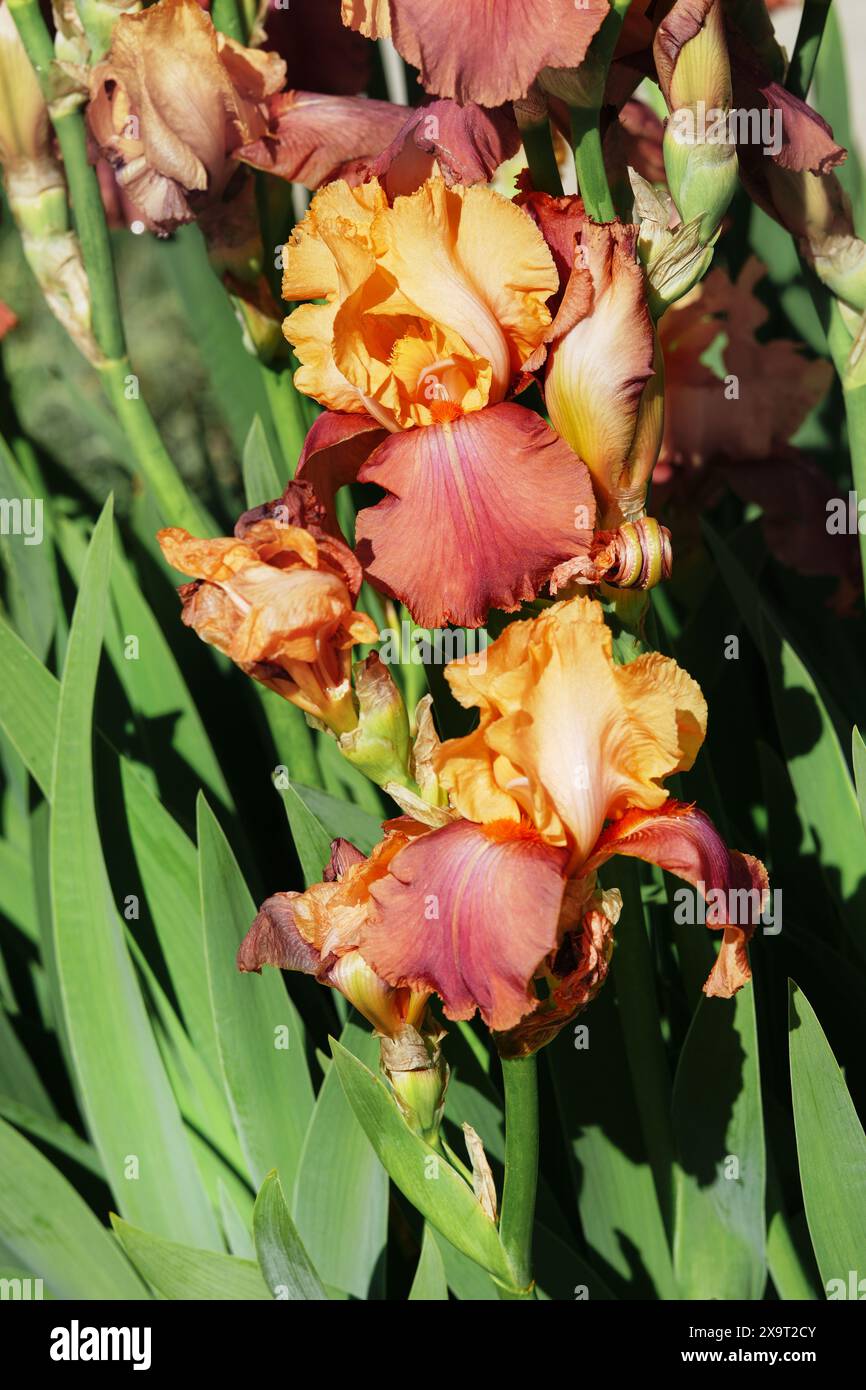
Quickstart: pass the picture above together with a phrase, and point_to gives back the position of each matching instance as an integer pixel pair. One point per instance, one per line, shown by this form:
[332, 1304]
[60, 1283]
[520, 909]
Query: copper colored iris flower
[432, 305]
[485, 52]
[169, 104]
[565, 770]
[277, 598]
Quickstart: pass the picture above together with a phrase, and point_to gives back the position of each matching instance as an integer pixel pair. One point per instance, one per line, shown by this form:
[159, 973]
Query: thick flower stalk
[432, 307]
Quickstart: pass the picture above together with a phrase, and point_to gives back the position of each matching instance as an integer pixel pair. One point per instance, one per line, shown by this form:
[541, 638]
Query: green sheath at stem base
[520, 1077]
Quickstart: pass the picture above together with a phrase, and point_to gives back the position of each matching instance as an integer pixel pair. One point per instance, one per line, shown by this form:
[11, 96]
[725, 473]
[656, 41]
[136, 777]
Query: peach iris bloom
[566, 769]
[277, 598]
[431, 307]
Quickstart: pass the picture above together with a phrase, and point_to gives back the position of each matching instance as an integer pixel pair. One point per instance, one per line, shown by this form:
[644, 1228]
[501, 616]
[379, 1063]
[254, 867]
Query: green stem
[520, 1076]
[287, 410]
[854, 397]
[86, 200]
[541, 158]
[586, 116]
[811, 32]
[589, 163]
[175, 503]
[226, 16]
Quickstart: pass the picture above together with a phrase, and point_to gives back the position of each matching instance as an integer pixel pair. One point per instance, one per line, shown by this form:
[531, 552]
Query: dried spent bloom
[170, 103]
[431, 307]
[277, 598]
[489, 53]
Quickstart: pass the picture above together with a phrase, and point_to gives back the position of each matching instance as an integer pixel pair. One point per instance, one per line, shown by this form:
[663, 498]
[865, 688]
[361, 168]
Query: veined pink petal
[467, 142]
[684, 841]
[491, 52]
[274, 939]
[468, 911]
[311, 136]
[334, 450]
[482, 509]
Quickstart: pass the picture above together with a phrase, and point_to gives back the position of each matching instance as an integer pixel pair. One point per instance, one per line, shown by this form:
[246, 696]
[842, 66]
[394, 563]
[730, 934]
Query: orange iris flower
[431, 306]
[565, 769]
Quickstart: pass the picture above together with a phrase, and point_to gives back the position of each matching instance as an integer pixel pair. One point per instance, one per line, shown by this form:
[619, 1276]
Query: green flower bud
[702, 171]
[379, 746]
[418, 1074]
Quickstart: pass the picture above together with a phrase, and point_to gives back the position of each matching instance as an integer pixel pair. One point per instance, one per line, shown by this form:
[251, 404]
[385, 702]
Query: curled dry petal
[806, 139]
[576, 972]
[495, 496]
[276, 602]
[273, 939]
[489, 53]
[566, 737]
[316, 933]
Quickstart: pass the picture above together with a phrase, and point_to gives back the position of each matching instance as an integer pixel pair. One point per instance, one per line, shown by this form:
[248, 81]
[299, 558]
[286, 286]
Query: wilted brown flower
[171, 101]
[277, 599]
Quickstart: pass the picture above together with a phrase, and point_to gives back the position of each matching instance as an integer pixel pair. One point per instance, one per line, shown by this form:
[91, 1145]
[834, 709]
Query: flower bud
[385, 1007]
[379, 745]
[694, 71]
[418, 1074]
[603, 387]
